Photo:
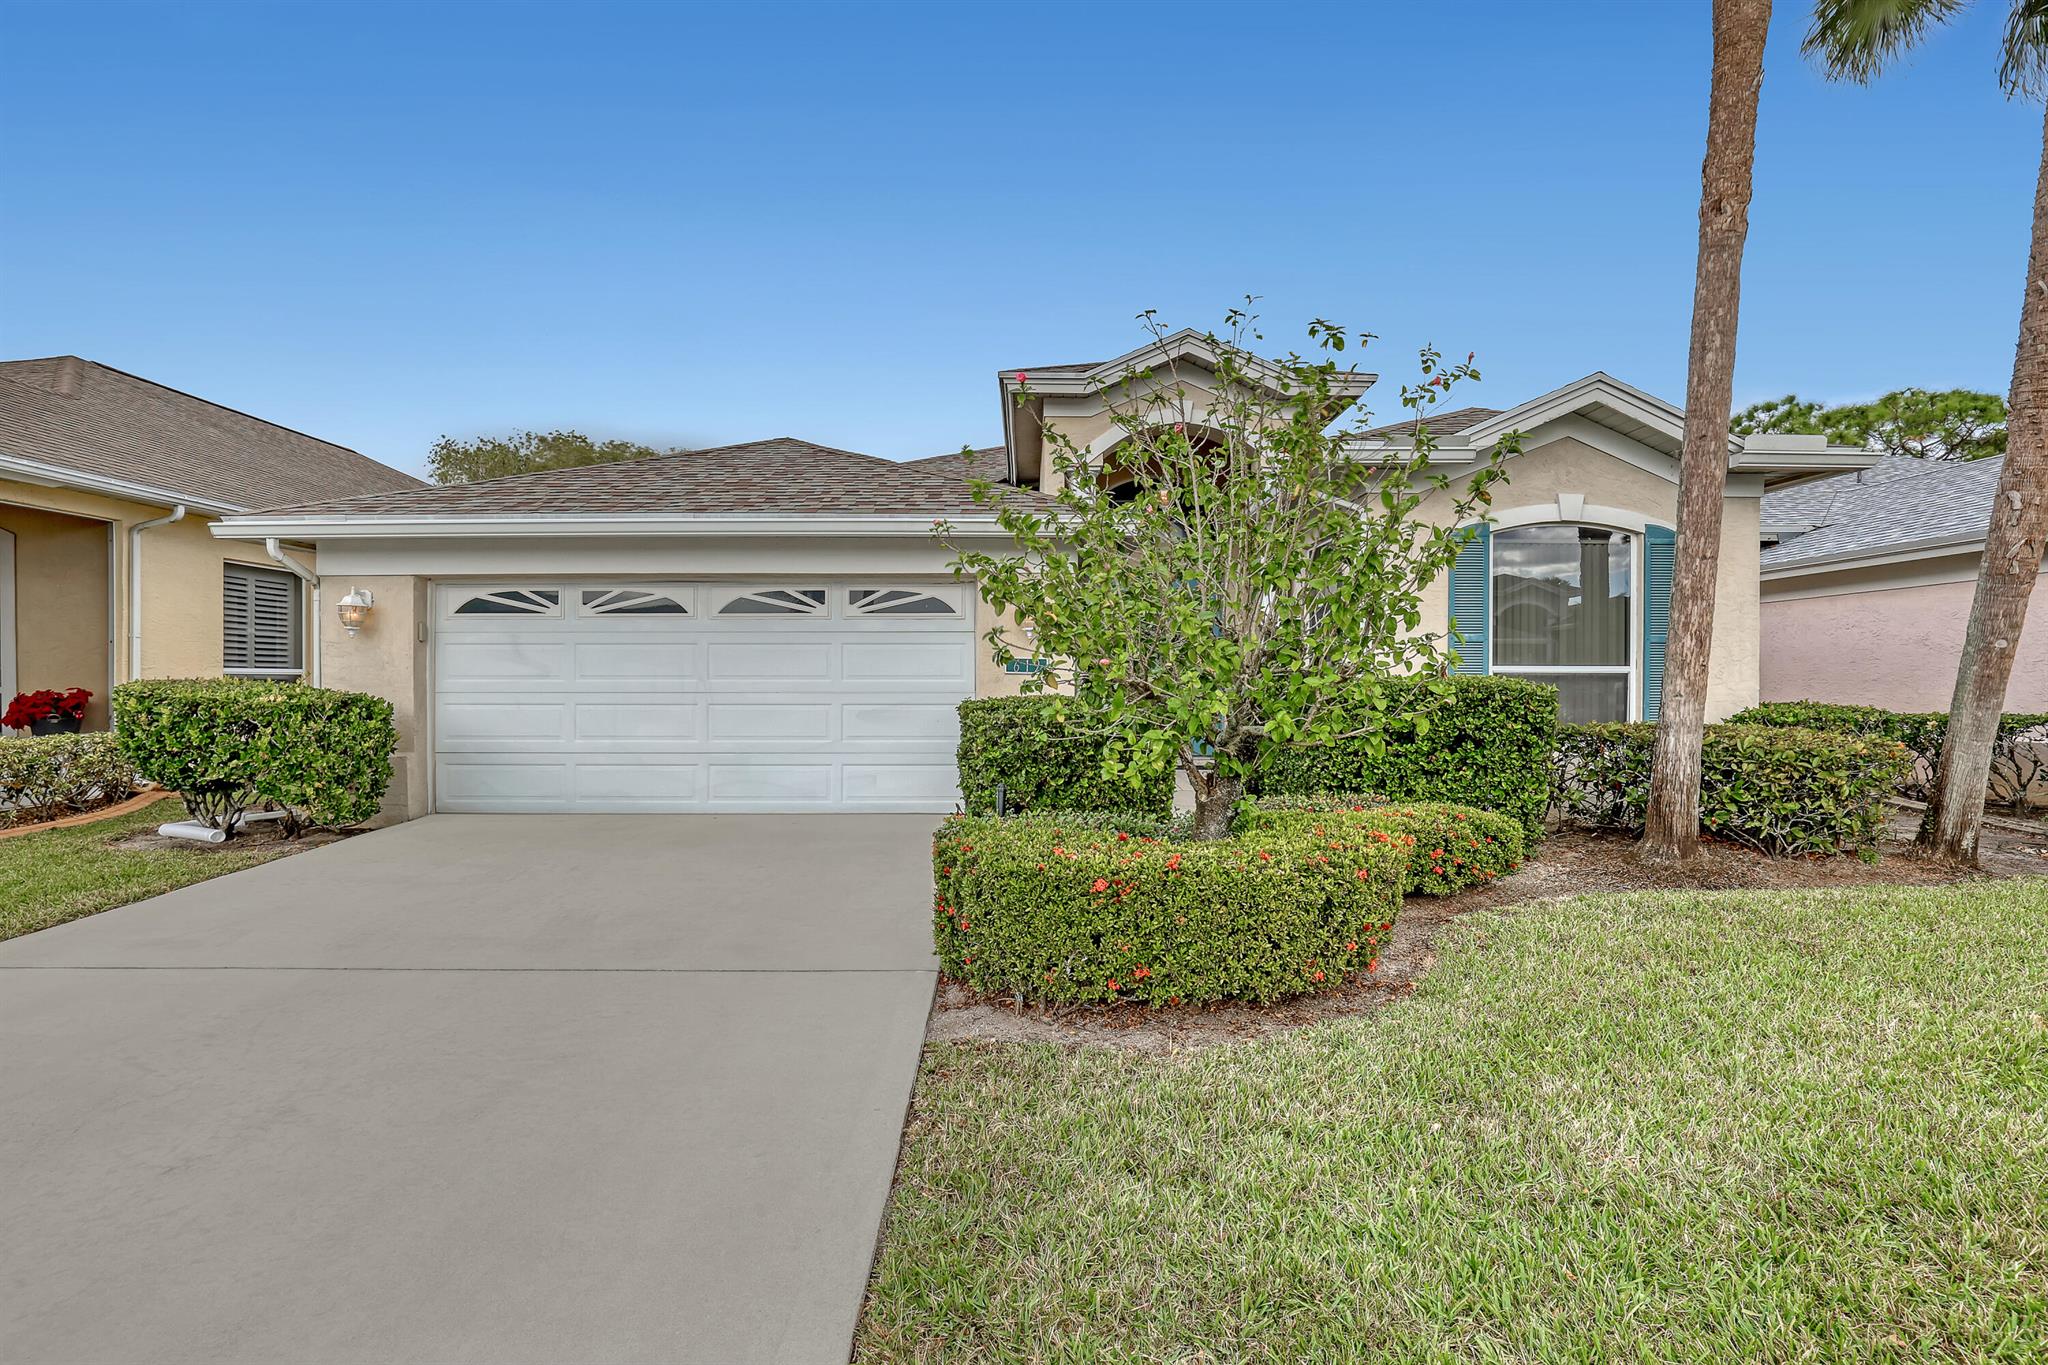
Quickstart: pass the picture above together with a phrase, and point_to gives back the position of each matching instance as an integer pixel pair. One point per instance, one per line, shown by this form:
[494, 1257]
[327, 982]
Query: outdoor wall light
[354, 609]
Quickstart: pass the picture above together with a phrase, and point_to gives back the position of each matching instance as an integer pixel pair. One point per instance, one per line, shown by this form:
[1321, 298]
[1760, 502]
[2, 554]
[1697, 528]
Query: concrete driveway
[477, 1088]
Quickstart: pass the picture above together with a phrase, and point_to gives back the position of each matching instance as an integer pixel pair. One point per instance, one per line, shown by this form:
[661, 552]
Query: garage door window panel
[631, 602]
[513, 602]
[776, 602]
[898, 602]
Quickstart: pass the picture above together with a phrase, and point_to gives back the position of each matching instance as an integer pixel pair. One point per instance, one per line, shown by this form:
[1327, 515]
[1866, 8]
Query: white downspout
[311, 580]
[135, 584]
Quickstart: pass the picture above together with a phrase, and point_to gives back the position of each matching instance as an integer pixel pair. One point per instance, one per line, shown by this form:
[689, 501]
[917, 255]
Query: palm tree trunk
[2013, 546]
[1672, 827]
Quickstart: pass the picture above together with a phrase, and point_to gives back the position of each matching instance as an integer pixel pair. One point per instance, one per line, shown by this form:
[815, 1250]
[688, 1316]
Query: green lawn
[1683, 1127]
[62, 874]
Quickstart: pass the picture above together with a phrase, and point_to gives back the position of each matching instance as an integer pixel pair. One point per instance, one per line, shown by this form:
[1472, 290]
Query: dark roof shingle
[782, 476]
[990, 462]
[95, 420]
[1900, 501]
[1440, 423]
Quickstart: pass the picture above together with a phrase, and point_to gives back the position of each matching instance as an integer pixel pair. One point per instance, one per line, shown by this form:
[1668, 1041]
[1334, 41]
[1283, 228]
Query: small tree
[526, 452]
[1254, 577]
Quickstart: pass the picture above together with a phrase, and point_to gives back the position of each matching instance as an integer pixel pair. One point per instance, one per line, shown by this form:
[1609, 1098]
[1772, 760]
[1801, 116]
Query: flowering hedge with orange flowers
[1449, 847]
[1055, 911]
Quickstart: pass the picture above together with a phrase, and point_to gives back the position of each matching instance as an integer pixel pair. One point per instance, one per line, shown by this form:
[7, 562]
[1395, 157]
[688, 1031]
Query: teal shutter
[1660, 548]
[1472, 598]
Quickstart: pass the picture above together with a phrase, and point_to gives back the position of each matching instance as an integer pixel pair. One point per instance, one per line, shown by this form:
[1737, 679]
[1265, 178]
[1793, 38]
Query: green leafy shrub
[1780, 789]
[1476, 741]
[2019, 752]
[1028, 747]
[227, 744]
[43, 777]
[1447, 847]
[1052, 912]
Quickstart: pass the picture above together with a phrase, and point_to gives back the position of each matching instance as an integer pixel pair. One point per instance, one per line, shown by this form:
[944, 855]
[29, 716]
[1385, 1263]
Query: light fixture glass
[354, 609]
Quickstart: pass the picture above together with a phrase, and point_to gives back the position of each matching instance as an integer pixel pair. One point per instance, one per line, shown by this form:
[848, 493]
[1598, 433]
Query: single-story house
[108, 485]
[771, 626]
[1867, 583]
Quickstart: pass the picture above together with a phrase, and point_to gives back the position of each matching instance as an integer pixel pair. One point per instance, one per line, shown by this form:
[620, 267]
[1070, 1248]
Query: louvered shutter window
[1660, 549]
[259, 621]
[1471, 591]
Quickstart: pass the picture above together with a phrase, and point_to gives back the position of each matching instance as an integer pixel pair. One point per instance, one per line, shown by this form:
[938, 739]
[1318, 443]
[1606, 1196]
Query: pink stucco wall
[1895, 648]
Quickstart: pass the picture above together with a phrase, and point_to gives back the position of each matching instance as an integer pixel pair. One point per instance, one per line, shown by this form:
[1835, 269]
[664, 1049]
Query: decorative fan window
[513, 602]
[898, 602]
[630, 602]
[776, 602]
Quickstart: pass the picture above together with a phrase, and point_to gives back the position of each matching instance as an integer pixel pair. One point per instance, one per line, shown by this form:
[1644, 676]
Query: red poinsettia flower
[28, 708]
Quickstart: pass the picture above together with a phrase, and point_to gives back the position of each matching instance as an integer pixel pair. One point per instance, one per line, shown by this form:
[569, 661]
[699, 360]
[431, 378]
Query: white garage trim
[559, 694]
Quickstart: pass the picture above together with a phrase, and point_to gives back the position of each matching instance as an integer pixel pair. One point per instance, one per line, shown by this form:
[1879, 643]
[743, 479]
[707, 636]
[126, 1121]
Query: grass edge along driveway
[1677, 1126]
[56, 875]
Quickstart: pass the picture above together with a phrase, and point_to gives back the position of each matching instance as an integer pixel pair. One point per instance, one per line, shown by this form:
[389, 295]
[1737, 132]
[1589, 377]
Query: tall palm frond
[1855, 39]
[2023, 69]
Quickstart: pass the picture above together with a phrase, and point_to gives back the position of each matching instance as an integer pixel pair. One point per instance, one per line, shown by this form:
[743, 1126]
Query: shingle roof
[783, 476]
[99, 421]
[1897, 502]
[1440, 423]
[990, 462]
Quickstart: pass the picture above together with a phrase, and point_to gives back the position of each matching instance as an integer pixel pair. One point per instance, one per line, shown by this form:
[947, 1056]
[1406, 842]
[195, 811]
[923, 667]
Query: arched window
[1563, 613]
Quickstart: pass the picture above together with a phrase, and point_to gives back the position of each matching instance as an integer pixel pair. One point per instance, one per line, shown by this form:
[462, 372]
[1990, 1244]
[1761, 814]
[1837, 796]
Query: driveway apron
[476, 1088]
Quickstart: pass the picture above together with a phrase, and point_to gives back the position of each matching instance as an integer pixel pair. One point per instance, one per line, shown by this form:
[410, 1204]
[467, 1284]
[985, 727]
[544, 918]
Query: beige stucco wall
[1867, 638]
[181, 596]
[1567, 465]
[181, 588]
[388, 659]
[60, 594]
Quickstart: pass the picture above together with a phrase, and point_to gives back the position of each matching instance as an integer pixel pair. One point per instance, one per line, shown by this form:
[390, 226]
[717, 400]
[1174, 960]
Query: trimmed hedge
[1447, 847]
[2019, 754]
[43, 777]
[1036, 906]
[1042, 762]
[1474, 741]
[1778, 789]
[227, 744]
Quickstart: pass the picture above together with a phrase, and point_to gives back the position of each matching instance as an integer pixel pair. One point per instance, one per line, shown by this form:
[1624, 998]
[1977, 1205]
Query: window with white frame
[261, 622]
[1563, 600]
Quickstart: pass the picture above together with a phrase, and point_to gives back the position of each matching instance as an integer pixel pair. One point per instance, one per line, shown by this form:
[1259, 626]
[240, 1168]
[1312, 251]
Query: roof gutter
[1931, 547]
[311, 580]
[460, 526]
[57, 476]
[177, 514]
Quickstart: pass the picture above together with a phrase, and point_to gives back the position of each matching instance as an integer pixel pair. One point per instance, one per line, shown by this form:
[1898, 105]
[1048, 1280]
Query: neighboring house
[1868, 580]
[108, 484]
[771, 626]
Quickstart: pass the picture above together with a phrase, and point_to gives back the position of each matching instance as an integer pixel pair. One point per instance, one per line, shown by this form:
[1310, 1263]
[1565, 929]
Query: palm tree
[1855, 40]
[1672, 825]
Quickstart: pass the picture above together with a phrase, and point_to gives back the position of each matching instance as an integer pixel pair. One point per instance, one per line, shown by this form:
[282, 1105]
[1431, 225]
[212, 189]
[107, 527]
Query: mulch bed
[268, 835]
[1565, 864]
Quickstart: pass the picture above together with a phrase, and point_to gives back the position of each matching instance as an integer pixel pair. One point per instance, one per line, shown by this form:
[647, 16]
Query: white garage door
[649, 696]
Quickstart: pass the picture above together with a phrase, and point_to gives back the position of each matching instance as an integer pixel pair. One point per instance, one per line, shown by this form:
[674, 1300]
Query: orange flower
[1101, 885]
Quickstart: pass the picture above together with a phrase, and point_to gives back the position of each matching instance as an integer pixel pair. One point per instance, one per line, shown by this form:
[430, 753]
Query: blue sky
[706, 224]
